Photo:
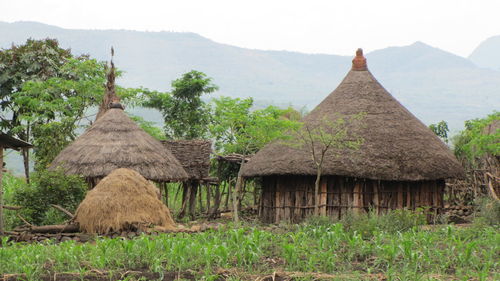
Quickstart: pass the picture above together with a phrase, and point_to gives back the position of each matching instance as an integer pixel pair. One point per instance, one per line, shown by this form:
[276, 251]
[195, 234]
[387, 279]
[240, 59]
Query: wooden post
[323, 194]
[1, 191]
[165, 187]
[277, 202]
[356, 200]
[400, 196]
[376, 203]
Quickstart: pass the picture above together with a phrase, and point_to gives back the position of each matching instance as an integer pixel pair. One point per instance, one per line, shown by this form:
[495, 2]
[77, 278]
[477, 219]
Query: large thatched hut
[123, 200]
[401, 163]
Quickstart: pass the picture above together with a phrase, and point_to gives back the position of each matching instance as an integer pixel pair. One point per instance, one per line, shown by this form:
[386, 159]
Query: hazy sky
[330, 26]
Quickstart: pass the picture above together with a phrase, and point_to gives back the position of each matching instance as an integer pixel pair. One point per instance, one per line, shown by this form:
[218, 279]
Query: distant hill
[487, 54]
[435, 85]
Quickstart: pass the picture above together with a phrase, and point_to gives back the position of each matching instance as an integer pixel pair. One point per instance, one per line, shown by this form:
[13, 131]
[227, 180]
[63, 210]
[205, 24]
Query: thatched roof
[194, 156]
[124, 200]
[115, 141]
[7, 141]
[397, 146]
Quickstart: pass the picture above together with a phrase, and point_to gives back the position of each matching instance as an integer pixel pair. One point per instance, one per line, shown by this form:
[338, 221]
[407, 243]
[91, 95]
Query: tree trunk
[1, 192]
[26, 161]
[316, 191]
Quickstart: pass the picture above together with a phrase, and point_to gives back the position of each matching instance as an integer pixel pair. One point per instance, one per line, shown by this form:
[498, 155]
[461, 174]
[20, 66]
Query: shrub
[46, 188]
[487, 211]
[393, 221]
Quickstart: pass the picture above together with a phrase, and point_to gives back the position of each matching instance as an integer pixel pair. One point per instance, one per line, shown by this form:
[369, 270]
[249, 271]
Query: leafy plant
[49, 187]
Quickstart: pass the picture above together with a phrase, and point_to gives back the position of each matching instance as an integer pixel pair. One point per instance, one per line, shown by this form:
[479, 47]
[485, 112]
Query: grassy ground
[441, 253]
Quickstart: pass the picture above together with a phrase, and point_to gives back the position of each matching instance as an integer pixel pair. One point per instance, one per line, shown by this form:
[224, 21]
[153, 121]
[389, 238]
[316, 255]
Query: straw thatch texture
[194, 156]
[115, 141]
[397, 146]
[124, 200]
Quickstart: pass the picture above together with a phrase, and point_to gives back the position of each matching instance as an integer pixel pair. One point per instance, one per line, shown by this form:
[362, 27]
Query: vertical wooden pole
[400, 195]
[356, 197]
[165, 186]
[1, 191]
[376, 203]
[323, 194]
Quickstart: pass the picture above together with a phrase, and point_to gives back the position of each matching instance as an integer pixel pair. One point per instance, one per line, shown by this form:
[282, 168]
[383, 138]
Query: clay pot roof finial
[359, 61]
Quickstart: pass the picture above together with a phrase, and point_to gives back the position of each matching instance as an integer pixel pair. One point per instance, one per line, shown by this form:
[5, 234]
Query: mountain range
[432, 83]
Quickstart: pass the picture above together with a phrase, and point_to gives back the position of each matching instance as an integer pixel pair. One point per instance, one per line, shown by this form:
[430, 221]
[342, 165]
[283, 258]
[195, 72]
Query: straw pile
[122, 201]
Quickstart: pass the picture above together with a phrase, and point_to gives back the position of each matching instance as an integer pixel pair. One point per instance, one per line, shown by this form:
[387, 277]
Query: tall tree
[36, 61]
[185, 114]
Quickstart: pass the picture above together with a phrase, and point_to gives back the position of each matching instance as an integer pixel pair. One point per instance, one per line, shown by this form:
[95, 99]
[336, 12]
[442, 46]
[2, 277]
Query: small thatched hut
[401, 163]
[115, 141]
[124, 200]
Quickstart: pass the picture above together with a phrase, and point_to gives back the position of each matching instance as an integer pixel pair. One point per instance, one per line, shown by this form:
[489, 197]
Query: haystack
[124, 200]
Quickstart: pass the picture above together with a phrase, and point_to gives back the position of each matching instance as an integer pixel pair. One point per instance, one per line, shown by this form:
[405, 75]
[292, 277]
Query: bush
[393, 221]
[49, 187]
[487, 211]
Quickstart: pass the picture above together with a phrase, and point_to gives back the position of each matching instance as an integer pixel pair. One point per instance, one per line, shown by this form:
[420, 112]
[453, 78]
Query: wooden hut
[115, 141]
[401, 163]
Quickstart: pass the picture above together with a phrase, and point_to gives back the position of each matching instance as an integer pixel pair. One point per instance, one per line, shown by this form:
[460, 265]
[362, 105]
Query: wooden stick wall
[292, 197]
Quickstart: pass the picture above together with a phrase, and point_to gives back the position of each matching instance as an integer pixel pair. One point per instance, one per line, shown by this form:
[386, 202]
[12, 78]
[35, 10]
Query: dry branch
[12, 207]
[68, 213]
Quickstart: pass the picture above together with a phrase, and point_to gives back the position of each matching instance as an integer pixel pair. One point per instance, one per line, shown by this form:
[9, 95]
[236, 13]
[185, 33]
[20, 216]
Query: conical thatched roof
[124, 200]
[115, 141]
[397, 146]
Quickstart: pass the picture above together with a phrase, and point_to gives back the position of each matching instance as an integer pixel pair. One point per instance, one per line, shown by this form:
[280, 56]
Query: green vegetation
[185, 114]
[441, 130]
[446, 252]
[474, 142]
[46, 188]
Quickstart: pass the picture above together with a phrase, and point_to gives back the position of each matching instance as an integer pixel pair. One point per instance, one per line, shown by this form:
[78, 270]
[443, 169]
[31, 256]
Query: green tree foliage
[44, 90]
[237, 129]
[475, 142]
[149, 127]
[441, 130]
[185, 114]
[52, 109]
[49, 187]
